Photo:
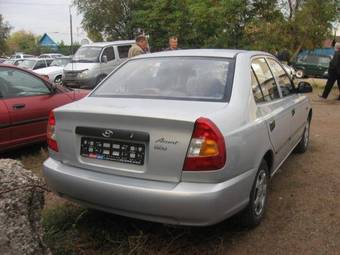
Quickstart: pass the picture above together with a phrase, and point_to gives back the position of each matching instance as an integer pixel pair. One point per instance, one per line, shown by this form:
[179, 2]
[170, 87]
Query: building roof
[47, 41]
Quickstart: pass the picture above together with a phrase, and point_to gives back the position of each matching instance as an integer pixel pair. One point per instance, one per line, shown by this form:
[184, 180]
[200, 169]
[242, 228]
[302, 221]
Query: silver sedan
[186, 137]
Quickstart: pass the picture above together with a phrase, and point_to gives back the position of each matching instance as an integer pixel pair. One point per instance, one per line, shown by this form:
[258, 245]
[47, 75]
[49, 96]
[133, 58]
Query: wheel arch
[269, 158]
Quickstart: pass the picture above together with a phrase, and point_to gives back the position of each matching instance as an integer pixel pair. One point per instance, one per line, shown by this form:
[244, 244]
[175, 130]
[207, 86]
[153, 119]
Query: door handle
[272, 125]
[293, 112]
[18, 106]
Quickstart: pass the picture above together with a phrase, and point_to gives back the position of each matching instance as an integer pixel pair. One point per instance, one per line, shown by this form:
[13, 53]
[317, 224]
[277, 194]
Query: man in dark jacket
[333, 73]
[173, 43]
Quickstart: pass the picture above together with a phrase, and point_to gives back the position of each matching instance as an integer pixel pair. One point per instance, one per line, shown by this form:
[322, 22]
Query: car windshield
[87, 54]
[183, 78]
[60, 62]
[27, 63]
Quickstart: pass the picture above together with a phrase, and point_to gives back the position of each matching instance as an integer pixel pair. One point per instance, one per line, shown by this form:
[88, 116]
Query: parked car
[93, 62]
[311, 66]
[55, 70]
[2, 60]
[13, 61]
[25, 102]
[185, 137]
[35, 63]
[21, 55]
[51, 55]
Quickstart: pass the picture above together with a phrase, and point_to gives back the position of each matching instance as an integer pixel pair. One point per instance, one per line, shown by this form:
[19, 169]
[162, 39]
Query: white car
[54, 72]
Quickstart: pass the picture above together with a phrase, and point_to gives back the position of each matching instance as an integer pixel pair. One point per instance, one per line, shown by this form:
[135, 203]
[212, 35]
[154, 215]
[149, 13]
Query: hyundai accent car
[25, 102]
[188, 137]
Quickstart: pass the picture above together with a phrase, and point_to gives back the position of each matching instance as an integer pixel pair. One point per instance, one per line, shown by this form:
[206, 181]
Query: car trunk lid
[129, 137]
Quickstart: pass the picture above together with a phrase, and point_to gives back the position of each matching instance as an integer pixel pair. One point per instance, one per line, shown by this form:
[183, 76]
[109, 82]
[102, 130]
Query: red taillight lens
[207, 148]
[51, 137]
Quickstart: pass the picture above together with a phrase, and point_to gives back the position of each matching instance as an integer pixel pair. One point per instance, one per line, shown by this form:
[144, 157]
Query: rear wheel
[254, 212]
[303, 144]
[300, 73]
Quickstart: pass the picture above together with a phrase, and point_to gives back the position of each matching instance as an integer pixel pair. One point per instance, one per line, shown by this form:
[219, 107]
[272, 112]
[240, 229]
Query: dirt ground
[303, 213]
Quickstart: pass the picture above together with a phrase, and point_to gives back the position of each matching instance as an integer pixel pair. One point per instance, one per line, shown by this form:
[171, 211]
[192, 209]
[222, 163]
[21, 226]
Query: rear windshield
[181, 78]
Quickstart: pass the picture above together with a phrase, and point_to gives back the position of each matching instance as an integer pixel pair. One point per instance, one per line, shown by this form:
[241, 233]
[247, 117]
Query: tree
[267, 25]
[107, 19]
[4, 34]
[22, 41]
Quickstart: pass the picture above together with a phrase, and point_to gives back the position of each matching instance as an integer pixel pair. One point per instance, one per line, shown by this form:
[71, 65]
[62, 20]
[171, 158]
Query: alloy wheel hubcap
[260, 192]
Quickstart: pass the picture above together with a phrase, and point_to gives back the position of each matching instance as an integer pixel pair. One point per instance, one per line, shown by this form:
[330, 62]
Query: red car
[25, 102]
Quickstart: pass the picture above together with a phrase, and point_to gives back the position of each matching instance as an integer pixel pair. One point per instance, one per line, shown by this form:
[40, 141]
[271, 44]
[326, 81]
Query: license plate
[123, 152]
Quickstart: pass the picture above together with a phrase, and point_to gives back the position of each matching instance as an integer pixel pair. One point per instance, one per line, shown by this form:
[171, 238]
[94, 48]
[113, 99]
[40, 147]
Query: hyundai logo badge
[107, 133]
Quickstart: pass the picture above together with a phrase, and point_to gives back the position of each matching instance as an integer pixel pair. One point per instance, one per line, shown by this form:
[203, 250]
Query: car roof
[103, 44]
[220, 53]
[39, 58]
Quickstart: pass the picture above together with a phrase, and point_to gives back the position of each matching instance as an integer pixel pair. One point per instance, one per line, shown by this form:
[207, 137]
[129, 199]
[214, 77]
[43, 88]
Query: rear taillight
[51, 136]
[207, 149]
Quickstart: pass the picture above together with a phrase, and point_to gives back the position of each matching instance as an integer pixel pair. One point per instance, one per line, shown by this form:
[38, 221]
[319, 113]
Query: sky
[43, 16]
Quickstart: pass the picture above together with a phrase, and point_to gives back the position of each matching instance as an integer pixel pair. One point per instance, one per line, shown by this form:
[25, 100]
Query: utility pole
[69, 8]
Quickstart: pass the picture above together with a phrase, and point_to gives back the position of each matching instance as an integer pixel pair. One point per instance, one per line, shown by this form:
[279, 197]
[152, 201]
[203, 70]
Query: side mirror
[304, 87]
[104, 59]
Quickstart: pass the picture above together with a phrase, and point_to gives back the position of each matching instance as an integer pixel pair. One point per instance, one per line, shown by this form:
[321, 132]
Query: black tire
[303, 144]
[299, 73]
[253, 214]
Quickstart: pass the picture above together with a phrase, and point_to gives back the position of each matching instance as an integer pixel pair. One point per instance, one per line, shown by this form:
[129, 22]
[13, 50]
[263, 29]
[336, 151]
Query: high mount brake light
[51, 136]
[207, 149]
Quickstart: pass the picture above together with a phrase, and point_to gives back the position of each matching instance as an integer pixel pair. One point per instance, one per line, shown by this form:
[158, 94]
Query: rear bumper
[184, 203]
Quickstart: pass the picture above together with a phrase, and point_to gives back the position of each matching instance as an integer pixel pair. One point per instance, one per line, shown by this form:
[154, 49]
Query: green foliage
[4, 34]
[108, 19]
[268, 25]
[22, 41]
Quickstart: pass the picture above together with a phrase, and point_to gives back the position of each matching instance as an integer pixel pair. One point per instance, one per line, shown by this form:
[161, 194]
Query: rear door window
[123, 51]
[266, 79]
[257, 92]
[40, 64]
[282, 78]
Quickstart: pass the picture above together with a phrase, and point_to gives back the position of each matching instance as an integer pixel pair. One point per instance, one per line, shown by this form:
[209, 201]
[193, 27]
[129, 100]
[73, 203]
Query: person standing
[333, 73]
[141, 46]
[173, 43]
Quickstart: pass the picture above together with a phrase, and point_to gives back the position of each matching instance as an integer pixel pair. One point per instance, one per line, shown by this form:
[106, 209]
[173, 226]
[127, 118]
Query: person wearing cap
[333, 73]
[141, 47]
